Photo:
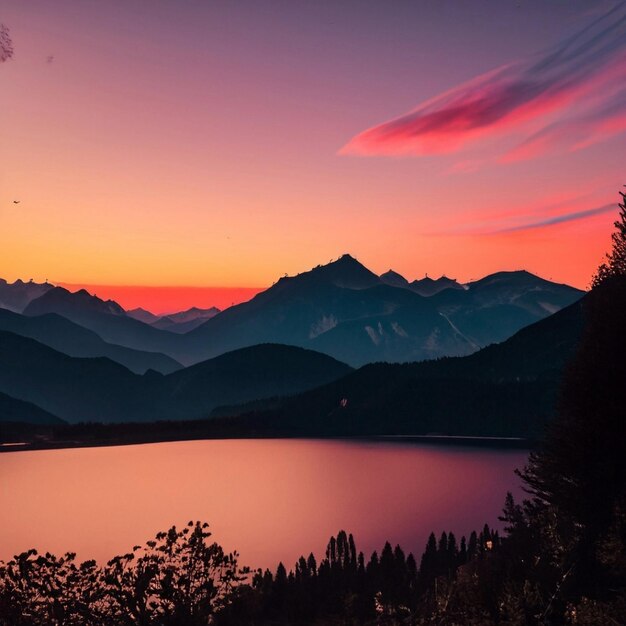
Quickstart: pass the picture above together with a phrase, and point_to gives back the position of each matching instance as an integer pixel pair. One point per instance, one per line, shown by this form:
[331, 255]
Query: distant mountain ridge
[342, 309]
[16, 296]
[142, 315]
[98, 389]
[60, 300]
[506, 390]
[346, 311]
[105, 318]
[72, 339]
[424, 287]
[184, 321]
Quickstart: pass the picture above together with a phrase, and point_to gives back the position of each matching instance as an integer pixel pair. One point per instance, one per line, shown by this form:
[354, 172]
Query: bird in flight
[16, 201]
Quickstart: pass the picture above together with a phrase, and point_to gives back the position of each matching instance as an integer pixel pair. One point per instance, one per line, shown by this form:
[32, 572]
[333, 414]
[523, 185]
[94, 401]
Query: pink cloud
[563, 84]
[606, 119]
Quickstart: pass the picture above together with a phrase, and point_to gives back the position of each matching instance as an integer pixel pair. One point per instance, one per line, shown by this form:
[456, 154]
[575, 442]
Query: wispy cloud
[572, 85]
[541, 207]
[605, 120]
[559, 219]
[6, 45]
[544, 213]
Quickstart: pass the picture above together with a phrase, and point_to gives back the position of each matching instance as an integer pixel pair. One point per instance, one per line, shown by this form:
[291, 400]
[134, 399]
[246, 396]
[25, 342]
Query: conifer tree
[578, 476]
[615, 264]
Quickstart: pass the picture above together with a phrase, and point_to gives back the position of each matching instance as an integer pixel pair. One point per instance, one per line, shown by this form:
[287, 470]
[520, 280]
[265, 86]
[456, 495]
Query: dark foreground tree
[179, 578]
[615, 264]
[578, 477]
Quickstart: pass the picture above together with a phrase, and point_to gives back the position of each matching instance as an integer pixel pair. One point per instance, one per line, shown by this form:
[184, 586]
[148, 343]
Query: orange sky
[206, 146]
[168, 299]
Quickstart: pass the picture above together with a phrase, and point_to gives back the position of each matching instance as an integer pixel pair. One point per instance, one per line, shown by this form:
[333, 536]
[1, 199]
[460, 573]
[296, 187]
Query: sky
[221, 145]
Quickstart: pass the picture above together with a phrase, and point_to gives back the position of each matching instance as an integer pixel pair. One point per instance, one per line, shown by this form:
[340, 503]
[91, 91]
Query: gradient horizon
[211, 145]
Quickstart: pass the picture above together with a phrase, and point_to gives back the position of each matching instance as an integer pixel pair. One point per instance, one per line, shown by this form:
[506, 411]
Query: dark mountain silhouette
[68, 303]
[181, 322]
[346, 272]
[14, 410]
[507, 389]
[394, 279]
[429, 287]
[16, 296]
[491, 309]
[184, 321]
[259, 371]
[72, 339]
[107, 319]
[299, 309]
[408, 328]
[143, 316]
[424, 287]
[75, 389]
[344, 310]
[97, 389]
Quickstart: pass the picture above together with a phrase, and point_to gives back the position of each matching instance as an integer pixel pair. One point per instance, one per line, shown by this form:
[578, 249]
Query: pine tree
[615, 264]
[578, 476]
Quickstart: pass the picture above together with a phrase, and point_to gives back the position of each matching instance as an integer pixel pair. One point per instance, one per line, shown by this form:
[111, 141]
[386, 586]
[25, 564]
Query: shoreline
[506, 443]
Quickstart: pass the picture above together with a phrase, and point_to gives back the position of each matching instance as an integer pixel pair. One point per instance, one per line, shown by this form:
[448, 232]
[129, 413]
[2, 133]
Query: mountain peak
[428, 286]
[143, 315]
[60, 300]
[16, 296]
[394, 279]
[346, 259]
[347, 272]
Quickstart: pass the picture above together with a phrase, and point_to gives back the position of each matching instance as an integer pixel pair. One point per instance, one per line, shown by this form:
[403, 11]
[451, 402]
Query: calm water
[272, 500]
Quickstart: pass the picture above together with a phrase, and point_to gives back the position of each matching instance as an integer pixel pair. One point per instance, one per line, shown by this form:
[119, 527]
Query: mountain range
[341, 309]
[425, 287]
[347, 311]
[82, 358]
[63, 335]
[15, 296]
[506, 389]
[100, 390]
[181, 322]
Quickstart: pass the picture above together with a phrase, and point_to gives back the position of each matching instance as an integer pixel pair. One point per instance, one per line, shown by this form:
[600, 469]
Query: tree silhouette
[178, 578]
[615, 264]
[578, 477]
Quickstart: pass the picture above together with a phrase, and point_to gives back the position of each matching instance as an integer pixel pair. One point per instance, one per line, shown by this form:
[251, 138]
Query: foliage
[615, 264]
[178, 578]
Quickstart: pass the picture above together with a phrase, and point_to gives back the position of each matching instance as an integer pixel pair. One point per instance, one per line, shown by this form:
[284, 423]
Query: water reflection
[271, 499]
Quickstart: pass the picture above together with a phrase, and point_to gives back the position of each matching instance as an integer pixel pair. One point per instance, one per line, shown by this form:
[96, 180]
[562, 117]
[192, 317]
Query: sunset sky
[224, 144]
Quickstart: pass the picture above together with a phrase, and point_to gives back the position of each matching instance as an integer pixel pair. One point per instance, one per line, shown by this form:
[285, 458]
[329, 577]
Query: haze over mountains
[184, 321]
[15, 296]
[100, 390]
[66, 336]
[79, 357]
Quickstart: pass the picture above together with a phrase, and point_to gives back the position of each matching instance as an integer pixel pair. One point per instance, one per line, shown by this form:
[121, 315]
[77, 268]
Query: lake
[271, 500]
